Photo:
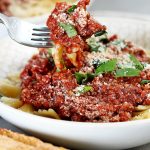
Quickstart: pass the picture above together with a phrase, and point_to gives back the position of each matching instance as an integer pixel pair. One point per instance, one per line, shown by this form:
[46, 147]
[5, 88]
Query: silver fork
[27, 33]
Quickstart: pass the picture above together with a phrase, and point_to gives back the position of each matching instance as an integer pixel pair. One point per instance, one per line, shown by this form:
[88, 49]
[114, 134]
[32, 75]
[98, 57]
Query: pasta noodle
[14, 78]
[27, 108]
[47, 113]
[10, 91]
[142, 115]
[142, 108]
[13, 102]
[57, 55]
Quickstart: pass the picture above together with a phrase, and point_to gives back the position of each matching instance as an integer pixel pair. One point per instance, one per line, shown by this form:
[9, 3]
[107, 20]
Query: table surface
[142, 6]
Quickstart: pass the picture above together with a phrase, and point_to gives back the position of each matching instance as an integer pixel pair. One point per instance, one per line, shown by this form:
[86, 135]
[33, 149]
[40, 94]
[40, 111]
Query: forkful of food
[27, 33]
[66, 32]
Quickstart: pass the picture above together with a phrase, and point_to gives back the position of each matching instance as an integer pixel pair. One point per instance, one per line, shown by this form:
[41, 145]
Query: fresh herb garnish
[95, 49]
[136, 62]
[86, 88]
[97, 41]
[93, 43]
[83, 89]
[105, 40]
[70, 29]
[71, 9]
[145, 81]
[1, 96]
[80, 77]
[96, 63]
[99, 33]
[127, 72]
[84, 78]
[107, 66]
[120, 44]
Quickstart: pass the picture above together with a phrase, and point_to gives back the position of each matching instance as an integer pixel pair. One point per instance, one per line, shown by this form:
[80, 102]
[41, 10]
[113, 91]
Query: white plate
[74, 134]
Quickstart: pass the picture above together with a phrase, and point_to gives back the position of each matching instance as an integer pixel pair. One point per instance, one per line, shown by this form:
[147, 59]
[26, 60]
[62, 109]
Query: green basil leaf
[97, 44]
[95, 49]
[84, 78]
[145, 81]
[83, 89]
[94, 45]
[108, 66]
[71, 9]
[99, 33]
[70, 29]
[136, 62]
[86, 88]
[80, 77]
[104, 41]
[127, 72]
[88, 77]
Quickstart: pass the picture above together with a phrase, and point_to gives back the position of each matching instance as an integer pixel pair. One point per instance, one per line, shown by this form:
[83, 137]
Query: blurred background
[28, 8]
[129, 6]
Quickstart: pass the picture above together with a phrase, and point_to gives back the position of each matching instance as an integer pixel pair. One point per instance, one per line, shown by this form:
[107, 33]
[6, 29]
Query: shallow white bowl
[78, 135]
[89, 136]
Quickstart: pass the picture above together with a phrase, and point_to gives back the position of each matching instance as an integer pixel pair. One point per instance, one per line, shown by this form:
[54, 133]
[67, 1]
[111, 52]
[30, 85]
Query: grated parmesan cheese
[118, 44]
[82, 18]
[146, 66]
[78, 90]
[97, 58]
[125, 62]
[96, 44]
[63, 17]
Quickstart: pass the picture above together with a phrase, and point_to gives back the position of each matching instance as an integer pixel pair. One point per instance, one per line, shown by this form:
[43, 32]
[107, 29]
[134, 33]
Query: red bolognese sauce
[87, 75]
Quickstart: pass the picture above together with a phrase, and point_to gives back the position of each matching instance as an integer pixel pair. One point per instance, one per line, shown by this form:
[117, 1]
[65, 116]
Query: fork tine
[41, 39]
[44, 29]
[42, 44]
[41, 34]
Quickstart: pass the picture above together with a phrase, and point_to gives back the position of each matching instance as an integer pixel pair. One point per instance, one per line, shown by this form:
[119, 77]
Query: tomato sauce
[83, 23]
[110, 100]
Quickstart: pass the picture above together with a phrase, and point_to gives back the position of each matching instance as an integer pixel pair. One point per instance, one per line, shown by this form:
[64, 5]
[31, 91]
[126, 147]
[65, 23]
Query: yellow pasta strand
[13, 102]
[47, 113]
[14, 78]
[73, 58]
[142, 107]
[57, 56]
[142, 115]
[8, 89]
[27, 108]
